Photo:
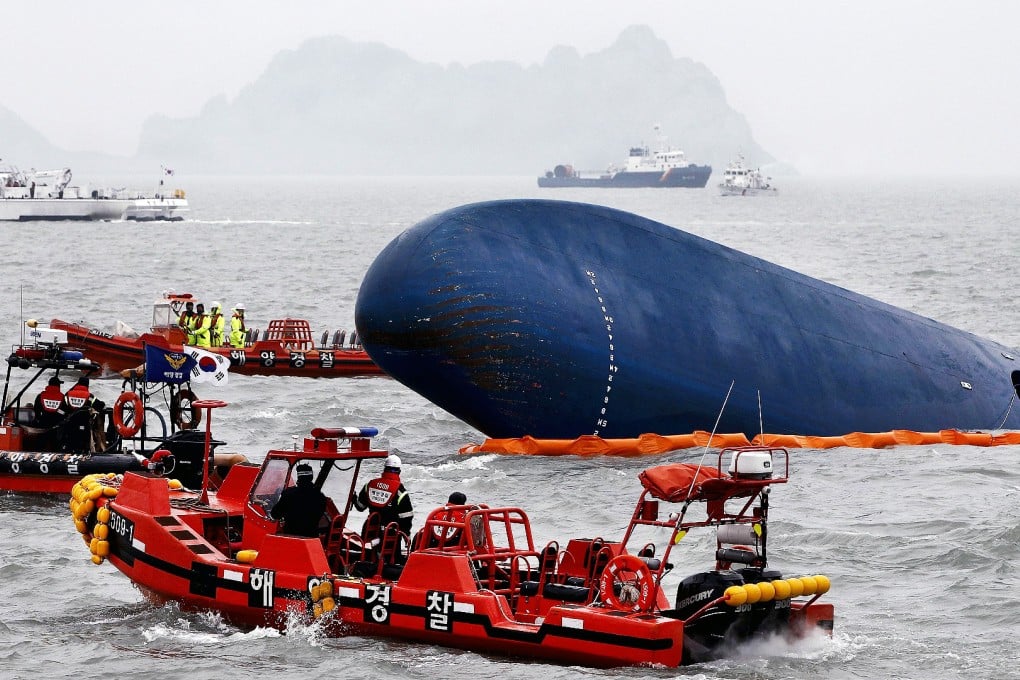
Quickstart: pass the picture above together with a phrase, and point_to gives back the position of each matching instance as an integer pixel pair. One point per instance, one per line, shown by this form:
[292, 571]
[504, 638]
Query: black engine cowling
[707, 636]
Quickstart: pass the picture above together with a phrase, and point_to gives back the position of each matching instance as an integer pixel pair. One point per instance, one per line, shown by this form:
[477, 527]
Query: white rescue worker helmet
[239, 306]
[393, 461]
[215, 305]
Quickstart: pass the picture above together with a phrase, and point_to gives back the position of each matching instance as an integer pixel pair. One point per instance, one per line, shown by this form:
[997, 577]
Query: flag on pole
[208, 367]
[165, 366]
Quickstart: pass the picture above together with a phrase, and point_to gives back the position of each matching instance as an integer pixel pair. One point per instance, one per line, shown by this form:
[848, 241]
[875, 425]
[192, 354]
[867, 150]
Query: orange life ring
[125, 428]
[194, 417]
[642, 580]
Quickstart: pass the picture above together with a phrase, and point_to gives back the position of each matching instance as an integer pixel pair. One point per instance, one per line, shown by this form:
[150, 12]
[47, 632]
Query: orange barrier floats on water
[647, 444]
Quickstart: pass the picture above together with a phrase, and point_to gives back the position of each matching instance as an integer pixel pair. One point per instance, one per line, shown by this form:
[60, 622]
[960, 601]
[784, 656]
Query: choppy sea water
[921, 542]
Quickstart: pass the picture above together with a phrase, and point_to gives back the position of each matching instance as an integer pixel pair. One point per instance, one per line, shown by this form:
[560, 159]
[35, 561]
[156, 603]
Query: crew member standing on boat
[301, 506]
[238, 331]
[216, 324]
[184, 320]
[387, 501]
[200, 325]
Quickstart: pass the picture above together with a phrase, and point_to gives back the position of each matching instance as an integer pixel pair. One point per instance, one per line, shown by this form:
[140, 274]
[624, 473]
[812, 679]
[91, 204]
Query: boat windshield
[271, 483]
[163, 316]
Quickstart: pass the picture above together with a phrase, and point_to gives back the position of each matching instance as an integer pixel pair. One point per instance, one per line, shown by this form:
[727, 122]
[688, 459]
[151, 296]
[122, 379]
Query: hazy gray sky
[911, 85]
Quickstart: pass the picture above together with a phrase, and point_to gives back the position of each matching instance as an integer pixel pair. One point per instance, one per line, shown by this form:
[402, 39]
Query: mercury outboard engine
[709, 630]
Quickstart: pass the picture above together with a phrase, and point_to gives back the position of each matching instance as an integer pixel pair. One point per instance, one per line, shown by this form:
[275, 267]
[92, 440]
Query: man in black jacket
[301, 506]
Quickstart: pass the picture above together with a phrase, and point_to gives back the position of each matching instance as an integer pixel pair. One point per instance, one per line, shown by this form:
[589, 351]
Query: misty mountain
[334, 106]
[25, 147]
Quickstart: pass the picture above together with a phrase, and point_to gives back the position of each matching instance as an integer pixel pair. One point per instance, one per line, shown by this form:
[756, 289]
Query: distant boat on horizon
[740, 180]
[665, 167]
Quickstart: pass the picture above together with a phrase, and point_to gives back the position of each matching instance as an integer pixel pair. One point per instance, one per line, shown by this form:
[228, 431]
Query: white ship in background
[739, 180]
[49, 195]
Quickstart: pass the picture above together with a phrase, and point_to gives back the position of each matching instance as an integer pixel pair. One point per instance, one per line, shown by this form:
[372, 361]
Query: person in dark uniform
[47, 404]
[301, 506]
[387, 498]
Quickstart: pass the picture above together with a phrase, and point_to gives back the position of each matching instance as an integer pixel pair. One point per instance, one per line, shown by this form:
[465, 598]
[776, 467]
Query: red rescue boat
[472, 577]
[286, 348]
[48, 441]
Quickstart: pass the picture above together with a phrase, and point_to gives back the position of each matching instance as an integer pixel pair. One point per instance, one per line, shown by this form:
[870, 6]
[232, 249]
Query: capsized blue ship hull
[556, 319]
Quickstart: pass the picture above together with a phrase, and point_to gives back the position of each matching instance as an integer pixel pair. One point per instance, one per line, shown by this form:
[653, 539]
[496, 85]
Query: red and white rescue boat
[472, 577]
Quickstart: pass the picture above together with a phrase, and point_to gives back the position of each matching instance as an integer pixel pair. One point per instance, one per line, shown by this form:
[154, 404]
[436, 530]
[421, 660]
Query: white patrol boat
[49, 195]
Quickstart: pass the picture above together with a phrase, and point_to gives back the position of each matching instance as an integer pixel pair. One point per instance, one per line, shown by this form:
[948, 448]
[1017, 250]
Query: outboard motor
[709, 630]
[764, 617]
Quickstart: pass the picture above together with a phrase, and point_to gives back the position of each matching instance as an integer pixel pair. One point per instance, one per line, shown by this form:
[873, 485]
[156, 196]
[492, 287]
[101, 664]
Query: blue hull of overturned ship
[556, 319]
[691, 177]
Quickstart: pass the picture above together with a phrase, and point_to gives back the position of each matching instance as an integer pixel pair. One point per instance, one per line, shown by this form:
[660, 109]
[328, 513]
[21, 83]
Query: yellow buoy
[103, 515]
[174, 484]
[823, 584]
[316, 610]
[796, 587]
[753, 592]
[735, 596]
[782, 589]
[101, 531]
[95, 492]
[768, 591]
[810, 587]
[328, 604]
[96, 559]
[81, 526]
[103, 548]
[110, 491]
[246, 556]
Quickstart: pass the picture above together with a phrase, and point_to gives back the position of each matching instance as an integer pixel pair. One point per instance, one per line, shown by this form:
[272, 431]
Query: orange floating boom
[648, 444]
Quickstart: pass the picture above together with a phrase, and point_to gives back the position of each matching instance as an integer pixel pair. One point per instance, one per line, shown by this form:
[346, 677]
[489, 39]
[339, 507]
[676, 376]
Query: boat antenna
[22, 314]
[711, 434]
